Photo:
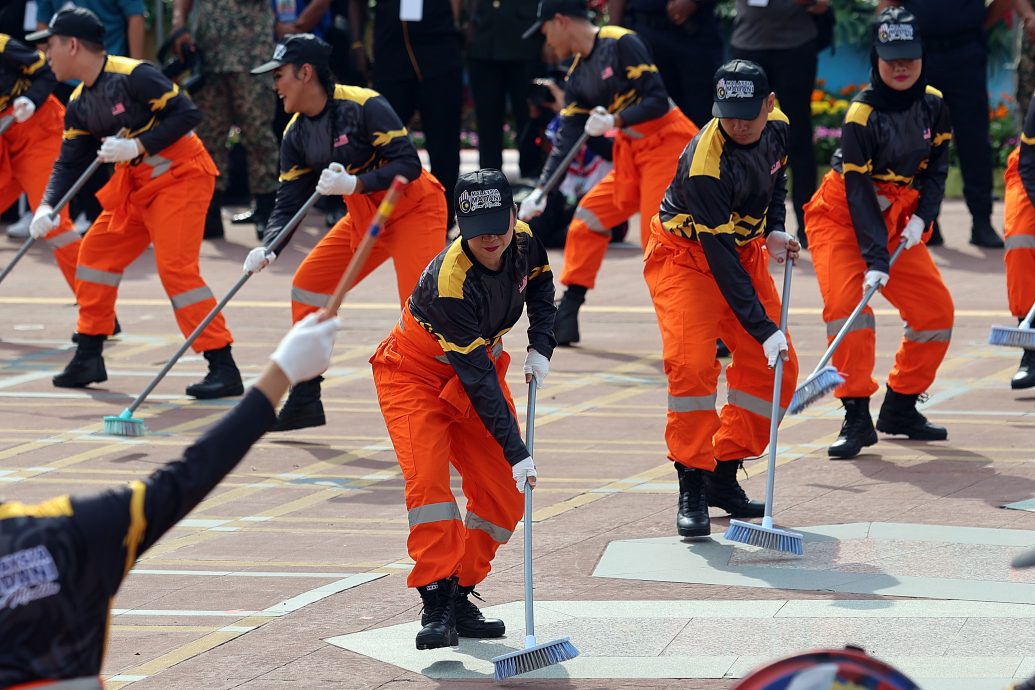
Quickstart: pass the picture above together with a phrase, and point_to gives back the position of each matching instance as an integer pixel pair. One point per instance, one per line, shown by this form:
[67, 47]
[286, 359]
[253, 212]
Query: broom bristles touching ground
[124, 424]
[815, 387]
[766, 537]
[1012, 337]
[533, 658]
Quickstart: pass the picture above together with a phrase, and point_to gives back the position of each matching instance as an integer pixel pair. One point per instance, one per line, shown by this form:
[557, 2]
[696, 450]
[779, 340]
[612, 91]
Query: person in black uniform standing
[62, 561]
[956, 63]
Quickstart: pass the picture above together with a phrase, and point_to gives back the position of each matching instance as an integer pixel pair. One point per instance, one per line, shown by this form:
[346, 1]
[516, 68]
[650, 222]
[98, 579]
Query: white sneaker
[82, 223]
[19, 229]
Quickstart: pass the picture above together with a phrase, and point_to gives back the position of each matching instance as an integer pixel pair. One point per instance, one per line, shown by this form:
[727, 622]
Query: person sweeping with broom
[440, 379]
[344, 141]
[158, 196]
[884, 190]
[707, 268]
[64, 560]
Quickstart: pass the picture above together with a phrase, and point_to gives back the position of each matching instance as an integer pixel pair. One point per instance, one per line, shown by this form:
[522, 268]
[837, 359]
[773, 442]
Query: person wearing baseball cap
[441, 381]
[707, 268]
[343, 141]
[613, 85]
[884, 189]
[158, 196]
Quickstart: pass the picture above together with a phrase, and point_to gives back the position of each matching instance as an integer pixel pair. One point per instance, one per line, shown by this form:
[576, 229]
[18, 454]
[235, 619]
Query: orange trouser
[161, 201]
[68, 684]
[646, 156]
[692, 314]
[1020, 242]
[412, 237]
[27, 155]
[432, 424]
[914, 287]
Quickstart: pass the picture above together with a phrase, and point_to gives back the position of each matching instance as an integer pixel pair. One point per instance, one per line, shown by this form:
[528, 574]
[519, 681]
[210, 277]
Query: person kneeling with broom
[63, 560]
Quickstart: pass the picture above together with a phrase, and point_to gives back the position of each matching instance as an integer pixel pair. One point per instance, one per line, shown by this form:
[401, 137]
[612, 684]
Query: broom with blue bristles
[535, 655]
[765, 535]
[824, 378]
[1022, 336]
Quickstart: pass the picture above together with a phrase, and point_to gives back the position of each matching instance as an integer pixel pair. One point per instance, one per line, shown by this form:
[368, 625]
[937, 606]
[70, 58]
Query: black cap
[297, 49]
[741, 88]
[549, 8]
[484, 203]
[896, 35]
[75, 22]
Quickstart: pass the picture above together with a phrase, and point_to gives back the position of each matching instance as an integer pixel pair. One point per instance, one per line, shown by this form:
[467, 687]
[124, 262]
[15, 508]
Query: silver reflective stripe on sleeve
[1019, 241]
[591, 221]
[312, 299]
[92, 275]
[434, 512]
[940, 335]
[691, 403]
[862, 322]
[751, 403]
[185, 299]
[498, 534]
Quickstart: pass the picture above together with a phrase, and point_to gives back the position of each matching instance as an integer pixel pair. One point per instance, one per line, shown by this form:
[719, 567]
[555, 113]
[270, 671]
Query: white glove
[775, 346]
[42, 222]
[538, 366]
[118, 150]
[258, 259]
[600, 122]
[305, 352]
[533, 205]
[776, 243]
[334, 181]
[872, 278]
[23, 109]
[913, 231]
[523, 472]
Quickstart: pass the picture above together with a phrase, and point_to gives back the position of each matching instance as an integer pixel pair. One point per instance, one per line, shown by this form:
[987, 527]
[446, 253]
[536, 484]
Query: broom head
[766, 537]
[814, 388]
[533, 657]
[1012, 337]
[124, 424]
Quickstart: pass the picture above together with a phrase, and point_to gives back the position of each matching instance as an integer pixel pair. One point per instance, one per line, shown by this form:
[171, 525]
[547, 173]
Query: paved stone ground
[305, 541]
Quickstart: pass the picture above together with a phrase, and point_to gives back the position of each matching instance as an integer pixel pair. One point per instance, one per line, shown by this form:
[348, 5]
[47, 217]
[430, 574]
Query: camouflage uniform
[234, 36]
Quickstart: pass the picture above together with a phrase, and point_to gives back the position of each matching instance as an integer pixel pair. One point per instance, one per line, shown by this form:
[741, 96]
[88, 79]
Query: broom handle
[1024, 324]
[5, 123]
[561, 170]
[17, 257]
[774, 415]
[853, 316]
[529, 438]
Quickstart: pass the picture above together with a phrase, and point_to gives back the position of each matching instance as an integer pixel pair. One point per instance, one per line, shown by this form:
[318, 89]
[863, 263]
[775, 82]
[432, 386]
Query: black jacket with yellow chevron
[63, 560]
[466, 307]
[726, 195]
[906, 147]
[359, 129]
[127, 93]
[23, 72]
[618, 74]
[1026, 156]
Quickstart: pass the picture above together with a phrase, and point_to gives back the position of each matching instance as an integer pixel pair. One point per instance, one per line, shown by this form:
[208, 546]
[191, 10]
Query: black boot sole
[1027, 381]
[76, 384]
[299, 422]
[436, 642]
[912, 434]
[227, 391]
[480, 634]
[848, 452]
[694, 532]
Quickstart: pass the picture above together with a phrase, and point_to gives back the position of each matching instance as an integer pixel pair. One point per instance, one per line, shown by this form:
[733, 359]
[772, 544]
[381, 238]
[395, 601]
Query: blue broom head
[1012, 337]
[124, 424]
[533, 658]
[771, 538]
[814, 388]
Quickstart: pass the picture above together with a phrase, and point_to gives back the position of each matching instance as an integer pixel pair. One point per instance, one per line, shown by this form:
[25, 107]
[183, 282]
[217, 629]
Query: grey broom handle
[561, 170]
[529, 437]
[855, 314]
[57, 209]
[295, 220]
[774, 416]
[6, 122]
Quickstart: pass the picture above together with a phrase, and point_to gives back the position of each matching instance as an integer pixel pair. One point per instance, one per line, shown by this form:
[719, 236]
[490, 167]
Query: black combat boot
[469, 619]
[87, 365]
[1025, 376]
[214, 217]
[898, 415]
[857, 430]
[222, 380]
[115, 331]
[724, 491]
[692, 517]
[303, 407]
[982, 234]
[259, 213]
[566, 323]
[438, 618]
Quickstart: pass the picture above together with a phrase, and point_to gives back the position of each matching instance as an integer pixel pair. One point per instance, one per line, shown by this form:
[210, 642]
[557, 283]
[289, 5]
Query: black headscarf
[883, 97]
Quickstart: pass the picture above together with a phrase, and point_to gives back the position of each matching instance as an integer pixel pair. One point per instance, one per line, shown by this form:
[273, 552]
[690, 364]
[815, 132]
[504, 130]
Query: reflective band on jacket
[312, 299]
[941, 335]
[691, 403]
[185, 299]
[498, 534]
[1019, 241]
[435, 512]
[862, 322]
[92, 275]
[751, 403]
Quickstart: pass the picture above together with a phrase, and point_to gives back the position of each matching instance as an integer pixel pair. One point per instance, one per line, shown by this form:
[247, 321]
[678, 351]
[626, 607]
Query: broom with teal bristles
[535, 655]
[1022, 336]
[765, 535]
[823, 378]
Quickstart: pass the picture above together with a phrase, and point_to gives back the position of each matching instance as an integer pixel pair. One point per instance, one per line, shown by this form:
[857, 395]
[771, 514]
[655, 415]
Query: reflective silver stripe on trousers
[92, 275]
[435, 512]
[159, 164]
[691, 403]
[498, 534]
[632, 133]
[64, 239]
[185, 299]
[591, 221]
[71, 684]
[941, 335]
[313, 299]
[862, 322]
[883, 202]
[1019, 242]
[497, 350]
[755, 405]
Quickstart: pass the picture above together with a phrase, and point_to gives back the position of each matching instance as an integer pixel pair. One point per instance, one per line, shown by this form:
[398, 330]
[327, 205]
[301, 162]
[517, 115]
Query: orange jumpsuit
[856, 219]
[1020, 220]
[441, 383]
[708, 273]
